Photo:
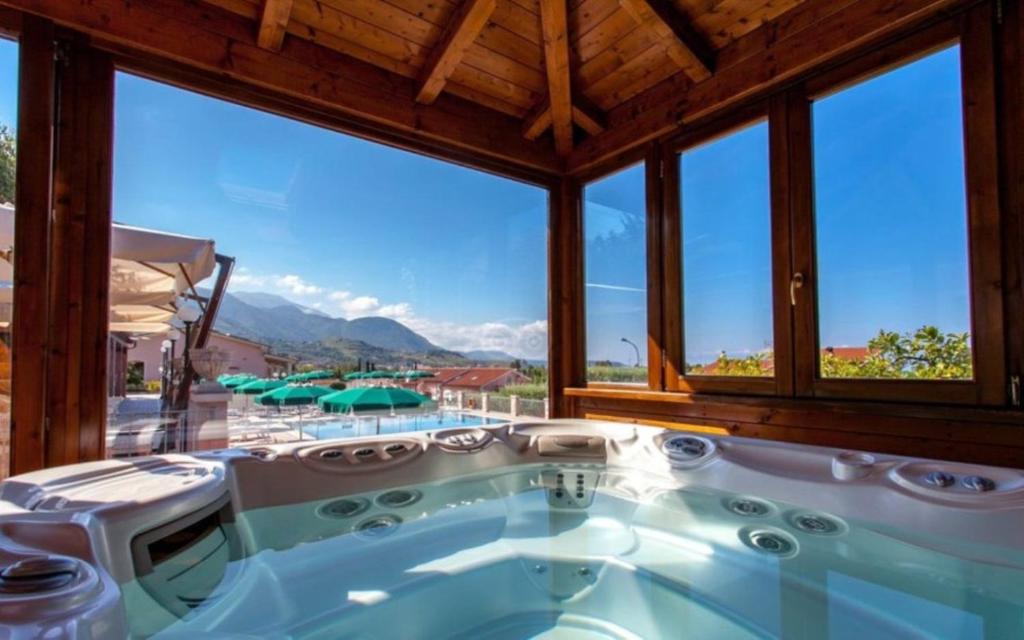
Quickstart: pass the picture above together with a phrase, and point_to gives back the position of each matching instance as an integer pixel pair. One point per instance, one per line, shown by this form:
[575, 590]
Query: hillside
[314, 337]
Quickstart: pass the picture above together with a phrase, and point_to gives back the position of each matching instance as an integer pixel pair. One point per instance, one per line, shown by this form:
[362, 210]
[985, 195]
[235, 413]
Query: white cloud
[243, 278]
[528, 340]
[297, 286]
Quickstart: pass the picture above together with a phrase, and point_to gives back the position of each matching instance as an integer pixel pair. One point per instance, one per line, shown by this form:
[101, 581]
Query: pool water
[376, 425]
[574, 551]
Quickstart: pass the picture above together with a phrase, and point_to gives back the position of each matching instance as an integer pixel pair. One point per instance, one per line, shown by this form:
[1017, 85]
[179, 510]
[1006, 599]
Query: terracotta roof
[470, 377]
[848, 353]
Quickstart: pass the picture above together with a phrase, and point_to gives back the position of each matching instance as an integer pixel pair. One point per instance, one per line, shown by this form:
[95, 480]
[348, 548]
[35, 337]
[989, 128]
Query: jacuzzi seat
[570, 511]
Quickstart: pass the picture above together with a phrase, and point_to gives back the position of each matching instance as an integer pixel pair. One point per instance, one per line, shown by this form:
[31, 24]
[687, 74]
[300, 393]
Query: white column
[547, 408]
[207, 417]
[460, 400]
[485, 404]
[513, 403]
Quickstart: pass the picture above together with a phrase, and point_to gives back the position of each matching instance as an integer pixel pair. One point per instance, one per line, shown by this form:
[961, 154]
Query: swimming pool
[566, 529]
[351, 427]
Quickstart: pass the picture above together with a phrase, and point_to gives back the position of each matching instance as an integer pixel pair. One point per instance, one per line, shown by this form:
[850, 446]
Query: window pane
[726, 234]
[8, 129]
[351, 257]
[615, 234]
[892, 225]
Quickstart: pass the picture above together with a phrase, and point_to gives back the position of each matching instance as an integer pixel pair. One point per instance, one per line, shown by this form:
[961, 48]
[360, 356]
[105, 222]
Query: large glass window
[8, 127]
[726, 255]
[614, 229]
[356, 265]
[891, 225]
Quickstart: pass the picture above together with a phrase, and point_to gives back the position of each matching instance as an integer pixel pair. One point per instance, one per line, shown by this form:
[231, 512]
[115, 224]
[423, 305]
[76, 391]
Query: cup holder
[463, 440]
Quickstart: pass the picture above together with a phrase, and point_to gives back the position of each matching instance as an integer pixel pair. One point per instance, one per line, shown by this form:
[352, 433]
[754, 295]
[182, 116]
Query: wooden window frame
[676, 378]
[972, 30]
[649, 156]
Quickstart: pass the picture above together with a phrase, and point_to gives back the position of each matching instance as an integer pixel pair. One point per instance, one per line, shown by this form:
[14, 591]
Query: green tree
[927, 353]
[758, 364]
[7, 155]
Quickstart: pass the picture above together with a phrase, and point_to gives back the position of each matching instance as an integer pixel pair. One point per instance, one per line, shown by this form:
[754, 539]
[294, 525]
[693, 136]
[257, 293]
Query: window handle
[795, 283]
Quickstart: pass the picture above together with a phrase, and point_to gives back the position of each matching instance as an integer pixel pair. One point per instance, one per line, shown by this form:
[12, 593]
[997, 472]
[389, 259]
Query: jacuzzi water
[555, 551]
[368, 426]
[547, 530]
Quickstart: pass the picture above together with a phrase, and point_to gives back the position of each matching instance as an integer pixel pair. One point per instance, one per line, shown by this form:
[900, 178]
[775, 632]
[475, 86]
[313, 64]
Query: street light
[188, 315]
[635, 348]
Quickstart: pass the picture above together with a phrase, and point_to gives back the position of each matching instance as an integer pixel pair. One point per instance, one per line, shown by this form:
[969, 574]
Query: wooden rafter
[815, 33]
[555, 32]
[463, 28]
[586, 116]
[274, 23]
[537, 121]
[220, 49]
[684, 45]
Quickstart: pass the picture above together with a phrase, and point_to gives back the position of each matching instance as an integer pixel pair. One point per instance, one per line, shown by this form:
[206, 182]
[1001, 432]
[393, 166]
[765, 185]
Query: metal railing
[532, 407]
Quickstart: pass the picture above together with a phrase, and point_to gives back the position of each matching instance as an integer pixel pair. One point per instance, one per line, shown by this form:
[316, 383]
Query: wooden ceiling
[557, 65]
[533, 88]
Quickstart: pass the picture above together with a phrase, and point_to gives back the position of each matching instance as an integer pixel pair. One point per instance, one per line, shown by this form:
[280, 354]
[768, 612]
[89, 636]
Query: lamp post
[635, 348]
[164, 379]
[188, 315]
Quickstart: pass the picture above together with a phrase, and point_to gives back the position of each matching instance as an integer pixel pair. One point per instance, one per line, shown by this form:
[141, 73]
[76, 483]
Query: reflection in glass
[614, 228]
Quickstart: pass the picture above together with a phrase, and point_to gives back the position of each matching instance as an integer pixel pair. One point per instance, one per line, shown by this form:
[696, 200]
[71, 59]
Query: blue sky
[347, 226]
[355, 228]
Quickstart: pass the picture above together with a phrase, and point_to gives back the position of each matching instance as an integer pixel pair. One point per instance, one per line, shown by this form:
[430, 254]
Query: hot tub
[562, 529]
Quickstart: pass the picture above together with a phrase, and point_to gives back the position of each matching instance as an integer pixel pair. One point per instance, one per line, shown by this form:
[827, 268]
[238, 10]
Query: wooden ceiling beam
[555, 33]
[537, 121]
[587, 116]
[682, 42]
[274, 19]
[813, 33]
[188, 35]
[466, 23]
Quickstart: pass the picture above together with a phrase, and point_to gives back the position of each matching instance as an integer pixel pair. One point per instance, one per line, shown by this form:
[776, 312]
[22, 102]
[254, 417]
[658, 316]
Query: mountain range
[313, 336]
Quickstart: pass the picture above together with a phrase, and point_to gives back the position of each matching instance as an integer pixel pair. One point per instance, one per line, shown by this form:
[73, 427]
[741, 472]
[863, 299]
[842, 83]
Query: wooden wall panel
[566, 339]
[31, 242]
[990, 437]
[80, 257]
[1010, 91]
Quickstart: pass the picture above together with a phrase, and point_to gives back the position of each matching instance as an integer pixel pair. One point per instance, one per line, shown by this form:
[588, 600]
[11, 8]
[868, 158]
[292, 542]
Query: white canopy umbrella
[149, 271]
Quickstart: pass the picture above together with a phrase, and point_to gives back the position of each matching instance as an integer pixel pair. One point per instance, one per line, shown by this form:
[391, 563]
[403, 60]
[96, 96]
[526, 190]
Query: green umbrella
[237, 381]
[262, 385]
[379, 375]
[295, 377]
[292, 395]
[320, 374]
[355, 375]
[371, 399]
